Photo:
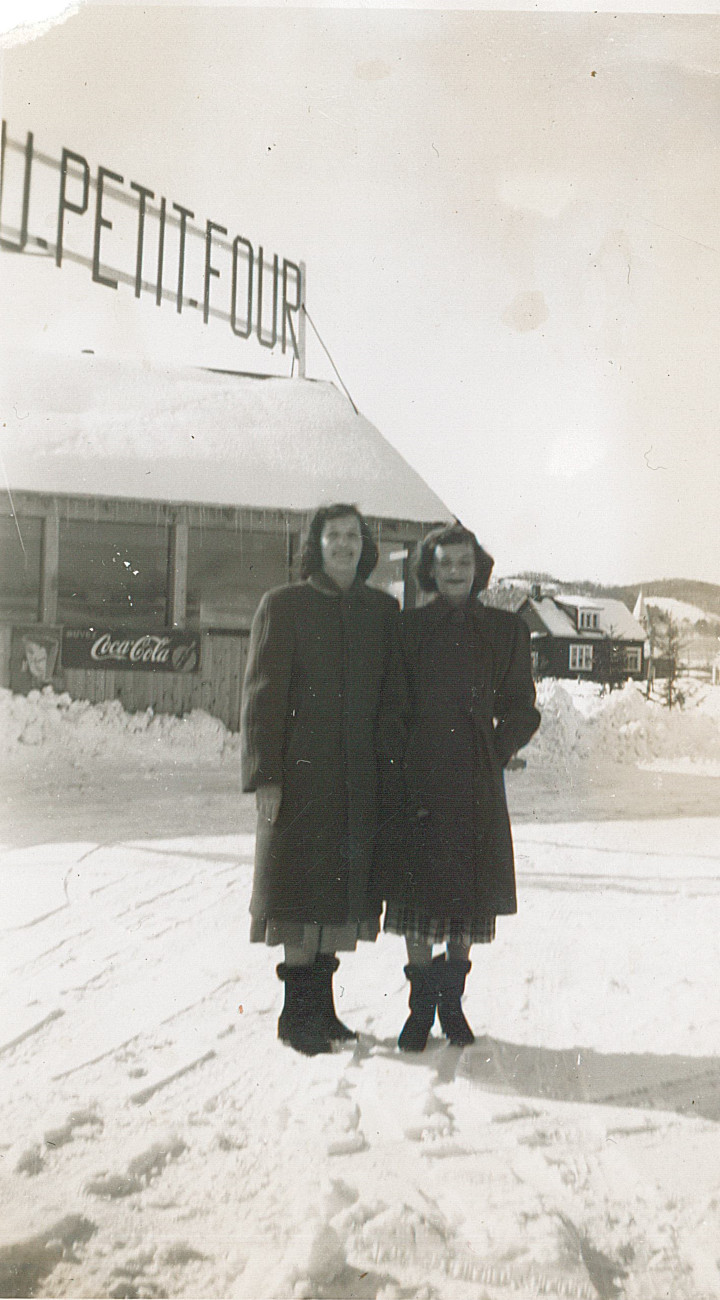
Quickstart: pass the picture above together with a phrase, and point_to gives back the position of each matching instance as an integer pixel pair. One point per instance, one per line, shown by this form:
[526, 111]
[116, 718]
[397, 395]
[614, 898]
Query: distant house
[578, 636]
[682, 635]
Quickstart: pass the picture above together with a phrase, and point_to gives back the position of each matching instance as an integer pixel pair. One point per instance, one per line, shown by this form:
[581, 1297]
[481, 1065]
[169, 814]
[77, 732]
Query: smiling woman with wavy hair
[472, 707]
[323, 718]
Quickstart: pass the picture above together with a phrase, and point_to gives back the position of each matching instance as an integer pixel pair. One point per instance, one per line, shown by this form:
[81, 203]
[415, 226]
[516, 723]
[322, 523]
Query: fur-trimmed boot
[423, 1003]
[326, 964]
[452, 976]
[301, 1022]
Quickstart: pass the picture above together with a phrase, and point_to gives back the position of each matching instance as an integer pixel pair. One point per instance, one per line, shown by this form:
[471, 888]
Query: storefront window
[114, 572]
[20, 550]
[228, 572]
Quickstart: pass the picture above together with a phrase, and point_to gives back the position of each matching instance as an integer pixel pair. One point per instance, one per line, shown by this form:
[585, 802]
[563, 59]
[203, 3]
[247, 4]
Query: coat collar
[321, 582]
[439, 609]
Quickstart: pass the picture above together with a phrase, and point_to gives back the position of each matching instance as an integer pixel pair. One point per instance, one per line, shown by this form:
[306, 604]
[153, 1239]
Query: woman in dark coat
[473, 706]
[324, 705]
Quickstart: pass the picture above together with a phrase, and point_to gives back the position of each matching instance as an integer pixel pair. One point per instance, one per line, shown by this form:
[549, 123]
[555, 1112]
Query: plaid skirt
[439, 929]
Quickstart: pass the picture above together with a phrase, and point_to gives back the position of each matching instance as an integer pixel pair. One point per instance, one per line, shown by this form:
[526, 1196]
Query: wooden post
[49, 563]
[177, 571]
[409, 580]
[301, 322]
[290, 554]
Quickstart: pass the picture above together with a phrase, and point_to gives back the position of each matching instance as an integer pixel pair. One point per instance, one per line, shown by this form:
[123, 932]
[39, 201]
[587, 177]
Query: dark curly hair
[311, 557]
[451, 535]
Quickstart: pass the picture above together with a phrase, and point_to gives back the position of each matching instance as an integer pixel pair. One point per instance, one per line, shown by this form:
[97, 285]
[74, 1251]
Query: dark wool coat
[473, 706]
[324, 707]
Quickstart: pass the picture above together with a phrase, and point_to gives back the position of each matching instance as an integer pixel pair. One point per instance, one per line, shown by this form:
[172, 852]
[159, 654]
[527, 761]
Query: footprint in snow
[32, 1161]
[77, 1119]
[342, 1128]
[24, 1265]
[139, 1174]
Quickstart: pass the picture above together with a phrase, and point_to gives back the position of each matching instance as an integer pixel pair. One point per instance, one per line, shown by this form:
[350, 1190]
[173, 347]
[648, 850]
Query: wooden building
[148, 510]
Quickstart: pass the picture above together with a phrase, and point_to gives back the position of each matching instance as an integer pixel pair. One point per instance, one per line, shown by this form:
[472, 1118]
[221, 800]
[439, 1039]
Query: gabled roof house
[578, 636]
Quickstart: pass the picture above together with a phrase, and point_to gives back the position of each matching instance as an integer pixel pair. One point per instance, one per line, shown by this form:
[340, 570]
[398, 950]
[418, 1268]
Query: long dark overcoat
[473, 706]
[324, 711]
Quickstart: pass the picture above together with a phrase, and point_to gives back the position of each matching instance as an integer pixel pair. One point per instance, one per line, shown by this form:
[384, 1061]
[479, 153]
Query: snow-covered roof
[557, 622]
[498, 596]
[614, 618]
[640, 612]
[578, 602]
[558, 614]
[90, 426]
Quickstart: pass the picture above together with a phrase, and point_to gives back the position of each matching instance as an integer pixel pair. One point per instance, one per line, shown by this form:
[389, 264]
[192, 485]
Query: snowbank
[58, 727]
[579, 725]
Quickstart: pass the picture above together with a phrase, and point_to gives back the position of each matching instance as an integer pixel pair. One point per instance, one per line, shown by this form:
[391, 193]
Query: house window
[587, 618]
[535, 661]
[633, 658]
[581, 658]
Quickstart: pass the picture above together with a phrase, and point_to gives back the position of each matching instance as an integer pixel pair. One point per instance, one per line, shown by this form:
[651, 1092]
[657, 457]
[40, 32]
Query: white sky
[514, 262]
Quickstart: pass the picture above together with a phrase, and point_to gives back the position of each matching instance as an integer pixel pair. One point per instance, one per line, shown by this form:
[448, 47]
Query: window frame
[588, 620]
[578, 650]
[633, 658]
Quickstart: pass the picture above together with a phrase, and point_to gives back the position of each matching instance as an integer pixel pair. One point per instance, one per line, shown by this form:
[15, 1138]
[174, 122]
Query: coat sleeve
[516, 718]
[266, 691]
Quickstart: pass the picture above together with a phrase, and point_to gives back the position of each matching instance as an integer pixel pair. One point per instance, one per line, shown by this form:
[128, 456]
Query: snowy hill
[680, 610]
[702, 597]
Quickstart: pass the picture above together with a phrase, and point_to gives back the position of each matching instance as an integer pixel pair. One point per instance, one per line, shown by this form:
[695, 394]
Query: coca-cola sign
[130, 649]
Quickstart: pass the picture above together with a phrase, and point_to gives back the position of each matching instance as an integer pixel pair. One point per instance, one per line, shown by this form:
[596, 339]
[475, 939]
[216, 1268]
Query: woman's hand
[268, 799]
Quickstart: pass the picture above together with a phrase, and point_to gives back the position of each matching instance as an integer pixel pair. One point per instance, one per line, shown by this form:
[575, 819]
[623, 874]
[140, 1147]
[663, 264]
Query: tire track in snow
[144, 1095]
[48, 952]
[29, 1033]
[692, 886]
[147, 1033]
[609, 850]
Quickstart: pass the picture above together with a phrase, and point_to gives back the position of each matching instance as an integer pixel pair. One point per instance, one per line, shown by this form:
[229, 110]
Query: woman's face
[341, 548]
[453, 569]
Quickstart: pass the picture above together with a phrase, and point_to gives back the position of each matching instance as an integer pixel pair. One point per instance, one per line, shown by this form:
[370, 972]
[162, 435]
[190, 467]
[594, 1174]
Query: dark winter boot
[326, 965]
[422, 1003]
[301, 1022]
[452, 976]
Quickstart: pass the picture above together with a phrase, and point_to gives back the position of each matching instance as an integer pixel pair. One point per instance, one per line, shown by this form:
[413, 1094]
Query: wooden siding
[216, 688]
[554, 658]
[5, 643]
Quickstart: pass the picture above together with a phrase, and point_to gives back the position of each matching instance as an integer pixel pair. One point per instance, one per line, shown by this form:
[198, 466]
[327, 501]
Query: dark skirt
[331, 938]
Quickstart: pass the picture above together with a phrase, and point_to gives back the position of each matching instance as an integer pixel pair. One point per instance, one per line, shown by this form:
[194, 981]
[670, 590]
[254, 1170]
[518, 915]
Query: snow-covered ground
[157, 1140]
